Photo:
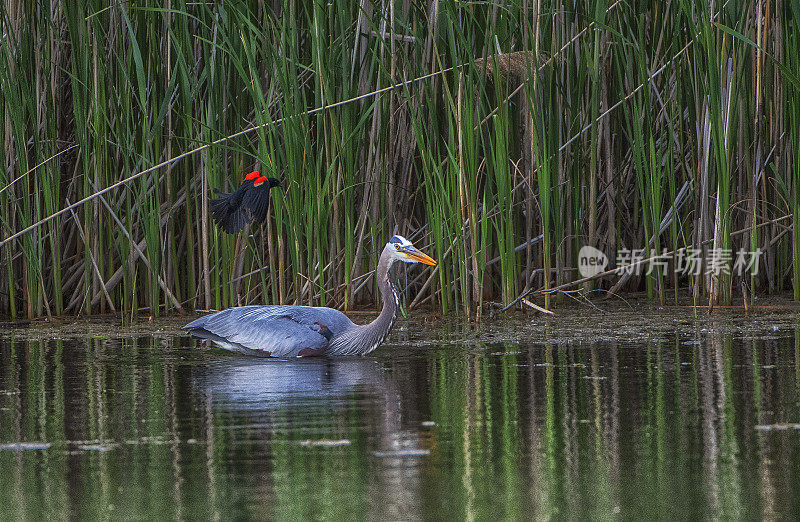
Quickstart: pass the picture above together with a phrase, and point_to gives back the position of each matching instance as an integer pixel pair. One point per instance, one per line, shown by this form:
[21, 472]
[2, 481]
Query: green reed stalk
[600, 7]
[792, 97]
[8, 301]
[718, 81]
[7, 175]
[541, 139]
[469, 158]
[544, 178]
[503, 221]
[435, 195]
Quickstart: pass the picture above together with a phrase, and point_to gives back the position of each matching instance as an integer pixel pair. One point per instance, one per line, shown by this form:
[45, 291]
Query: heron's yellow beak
[419, 257]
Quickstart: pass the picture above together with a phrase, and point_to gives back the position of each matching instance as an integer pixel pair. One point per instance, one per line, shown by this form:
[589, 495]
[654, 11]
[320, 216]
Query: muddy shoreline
[634, 319]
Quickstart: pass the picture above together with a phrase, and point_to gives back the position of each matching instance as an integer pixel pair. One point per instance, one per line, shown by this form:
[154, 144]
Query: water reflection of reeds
[143, 428]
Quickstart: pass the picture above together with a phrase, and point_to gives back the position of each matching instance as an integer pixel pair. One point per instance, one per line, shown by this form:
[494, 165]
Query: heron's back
[277, 330]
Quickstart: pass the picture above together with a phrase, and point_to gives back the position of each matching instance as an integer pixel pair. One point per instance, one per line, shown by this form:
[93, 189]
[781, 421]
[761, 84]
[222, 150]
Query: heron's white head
[402, 250]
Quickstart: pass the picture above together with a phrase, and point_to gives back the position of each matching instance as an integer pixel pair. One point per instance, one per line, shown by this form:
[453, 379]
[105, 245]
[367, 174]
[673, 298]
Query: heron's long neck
[375, 332]
[391, 299]
[363, 339]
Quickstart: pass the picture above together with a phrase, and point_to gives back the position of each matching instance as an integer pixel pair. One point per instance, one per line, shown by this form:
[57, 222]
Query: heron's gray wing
[266, 330]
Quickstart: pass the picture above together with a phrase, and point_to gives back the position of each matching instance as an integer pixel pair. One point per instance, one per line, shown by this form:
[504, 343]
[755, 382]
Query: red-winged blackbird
[249, 204]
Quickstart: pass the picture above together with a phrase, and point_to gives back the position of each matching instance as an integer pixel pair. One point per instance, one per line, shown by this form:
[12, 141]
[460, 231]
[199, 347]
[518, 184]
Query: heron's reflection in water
[240, 383]
[284, 412]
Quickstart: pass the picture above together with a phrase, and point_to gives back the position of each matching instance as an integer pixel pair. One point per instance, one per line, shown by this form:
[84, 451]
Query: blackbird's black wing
[232, 211]
[255, 203]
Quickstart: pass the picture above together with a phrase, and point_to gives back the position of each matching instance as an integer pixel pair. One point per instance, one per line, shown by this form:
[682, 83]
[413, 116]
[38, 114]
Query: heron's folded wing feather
[266, 329]
[282, 337]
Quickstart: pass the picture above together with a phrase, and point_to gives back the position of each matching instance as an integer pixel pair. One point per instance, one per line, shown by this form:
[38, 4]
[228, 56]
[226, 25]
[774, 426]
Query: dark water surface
[693, 422]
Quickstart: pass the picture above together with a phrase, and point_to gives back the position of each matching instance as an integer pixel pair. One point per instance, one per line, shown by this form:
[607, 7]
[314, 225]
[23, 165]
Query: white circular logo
[591, 261]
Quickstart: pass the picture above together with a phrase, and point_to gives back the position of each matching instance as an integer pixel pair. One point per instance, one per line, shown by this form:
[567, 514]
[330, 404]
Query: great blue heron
[248, 204]
[303, 331]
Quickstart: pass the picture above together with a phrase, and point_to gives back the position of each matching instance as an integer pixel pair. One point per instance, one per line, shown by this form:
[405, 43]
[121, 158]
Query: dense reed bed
[499, 137]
